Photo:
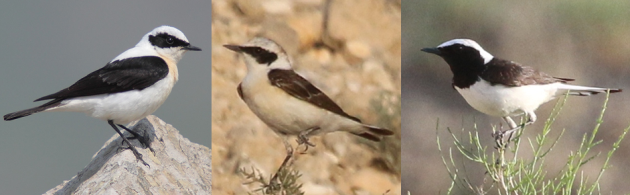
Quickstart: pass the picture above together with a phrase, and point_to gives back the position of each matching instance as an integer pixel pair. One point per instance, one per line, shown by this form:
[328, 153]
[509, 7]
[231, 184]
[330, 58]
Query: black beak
[235, 48]
[191, 48]
[435, 51]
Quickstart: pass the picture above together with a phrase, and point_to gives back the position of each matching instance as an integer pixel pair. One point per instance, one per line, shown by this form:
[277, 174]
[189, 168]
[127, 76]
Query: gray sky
[46, 46]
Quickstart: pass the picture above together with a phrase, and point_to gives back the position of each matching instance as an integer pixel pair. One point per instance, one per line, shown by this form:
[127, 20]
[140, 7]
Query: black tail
[23, 113]
[374, 133]
[592, 92]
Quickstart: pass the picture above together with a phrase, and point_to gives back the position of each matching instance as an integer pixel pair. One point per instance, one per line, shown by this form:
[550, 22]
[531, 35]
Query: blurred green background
[46, 46]
[585, 40]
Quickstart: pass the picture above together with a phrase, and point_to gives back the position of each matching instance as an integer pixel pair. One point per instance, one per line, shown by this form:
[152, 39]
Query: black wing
[117, 76]
[298, 87]
[512, 74]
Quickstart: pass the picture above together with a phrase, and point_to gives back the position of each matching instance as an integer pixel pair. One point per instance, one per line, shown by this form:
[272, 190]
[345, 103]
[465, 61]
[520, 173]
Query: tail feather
[379, 131]
[586, 91]
[374, 133]
[27, 112]
[368, 136]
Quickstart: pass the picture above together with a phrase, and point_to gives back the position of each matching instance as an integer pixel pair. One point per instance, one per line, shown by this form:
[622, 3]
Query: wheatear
[500, 87]
[130, 87]
[288, 103]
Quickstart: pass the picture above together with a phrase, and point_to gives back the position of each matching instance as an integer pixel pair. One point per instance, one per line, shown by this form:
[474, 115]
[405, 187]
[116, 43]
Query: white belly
[500, 101]
[123, 107]
[288, 115]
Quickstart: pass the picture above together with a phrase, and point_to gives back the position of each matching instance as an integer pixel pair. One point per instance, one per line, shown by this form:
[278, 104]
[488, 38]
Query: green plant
[509, 173]
[285, 183]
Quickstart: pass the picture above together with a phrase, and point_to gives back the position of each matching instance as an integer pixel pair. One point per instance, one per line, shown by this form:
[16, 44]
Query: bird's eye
[257, 51]
[170, 40]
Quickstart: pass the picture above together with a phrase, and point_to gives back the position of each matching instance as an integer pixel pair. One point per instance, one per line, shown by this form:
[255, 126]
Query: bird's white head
[262, 54]
[459, 47]
[168, 42]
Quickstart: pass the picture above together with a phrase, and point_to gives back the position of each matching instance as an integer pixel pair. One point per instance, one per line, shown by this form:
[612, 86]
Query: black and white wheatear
[288, 103]
[499, 87]
[130, 87]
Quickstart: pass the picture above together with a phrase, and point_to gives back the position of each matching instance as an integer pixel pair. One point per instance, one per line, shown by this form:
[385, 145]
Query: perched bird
[288, 103]
[502, 88]
[130, 87]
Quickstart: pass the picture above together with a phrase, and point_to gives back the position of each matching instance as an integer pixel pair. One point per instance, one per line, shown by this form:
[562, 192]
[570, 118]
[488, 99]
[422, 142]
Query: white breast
[499, 100]
[286, 114]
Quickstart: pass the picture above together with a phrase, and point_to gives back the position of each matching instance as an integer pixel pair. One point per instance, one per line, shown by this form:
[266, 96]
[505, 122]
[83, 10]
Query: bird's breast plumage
[122, 107]
[276, 108]
[500, 100]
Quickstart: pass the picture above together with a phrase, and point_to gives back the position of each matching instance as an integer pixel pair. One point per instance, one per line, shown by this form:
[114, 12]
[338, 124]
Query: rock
[277, 6]
[358, 49]
[313, 188]
[251, 9]
[178, 166]
[357, 20]
[308, 26]
[374, 182]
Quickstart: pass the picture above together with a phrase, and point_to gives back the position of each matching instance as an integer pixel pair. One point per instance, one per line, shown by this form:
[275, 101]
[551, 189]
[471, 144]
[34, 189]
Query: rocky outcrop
[351, 50]
[177, 166]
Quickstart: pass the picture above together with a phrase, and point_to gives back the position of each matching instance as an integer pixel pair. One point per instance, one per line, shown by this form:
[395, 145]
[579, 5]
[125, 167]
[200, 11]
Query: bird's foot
[302, 139]
[133, 149]
[501, 135]
[144, 140]
[136, 153]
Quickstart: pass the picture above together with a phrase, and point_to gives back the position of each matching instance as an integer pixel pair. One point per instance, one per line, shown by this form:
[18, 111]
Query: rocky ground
[349, 49]
[177, 166]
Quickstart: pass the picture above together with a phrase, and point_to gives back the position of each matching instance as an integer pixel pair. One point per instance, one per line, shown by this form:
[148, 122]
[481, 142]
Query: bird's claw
[136, 154]
[303, 140]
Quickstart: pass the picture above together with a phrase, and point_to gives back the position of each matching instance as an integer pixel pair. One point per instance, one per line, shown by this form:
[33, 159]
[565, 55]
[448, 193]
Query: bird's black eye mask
[164, 40]
[262, 55]
[455, 49]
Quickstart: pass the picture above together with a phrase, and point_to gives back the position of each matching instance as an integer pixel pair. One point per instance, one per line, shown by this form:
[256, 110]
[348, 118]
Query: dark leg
[302, 138]
[135, 152]
[145, 141]
[135, 135]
